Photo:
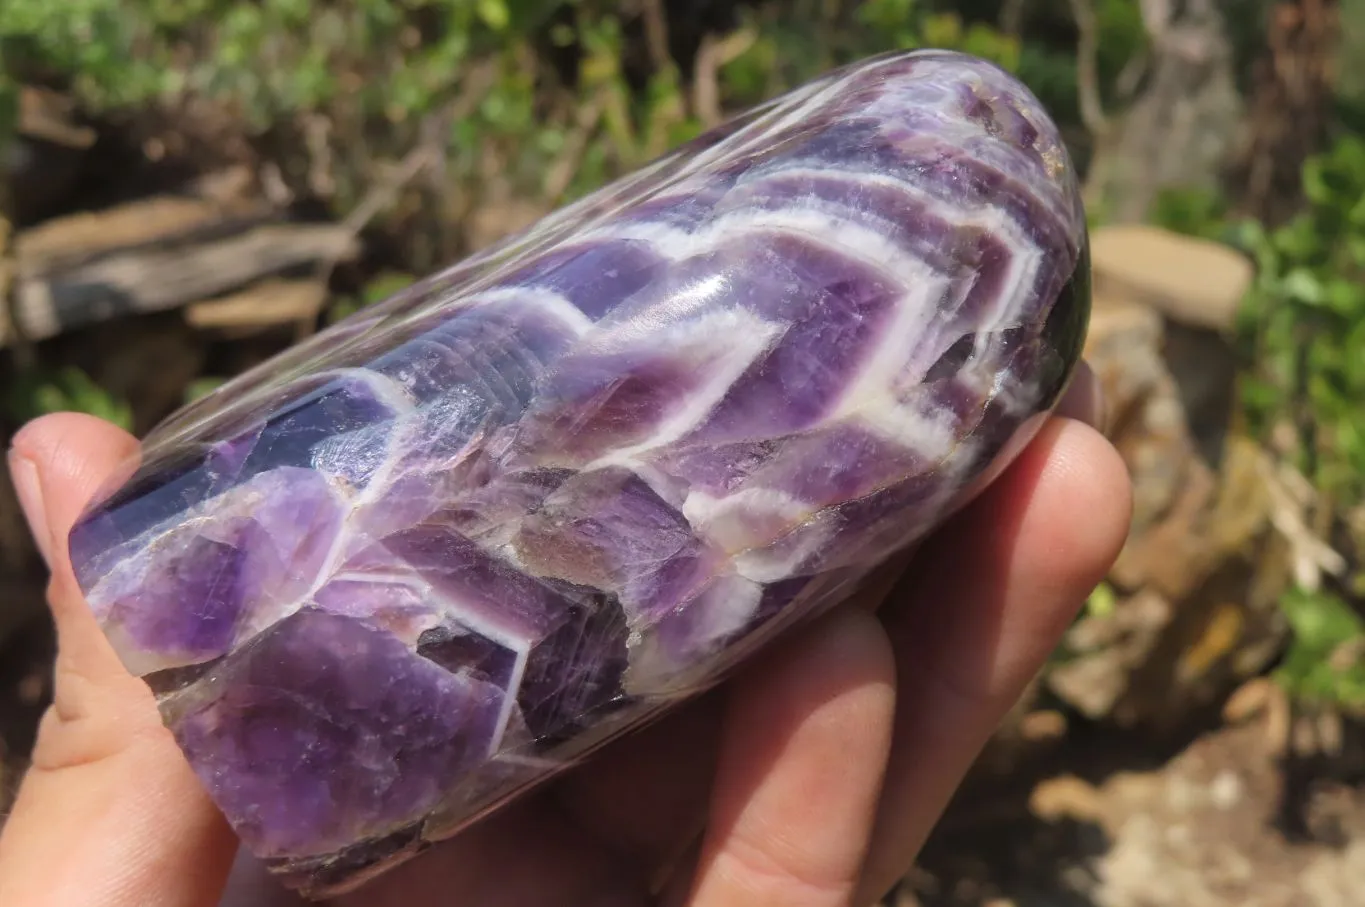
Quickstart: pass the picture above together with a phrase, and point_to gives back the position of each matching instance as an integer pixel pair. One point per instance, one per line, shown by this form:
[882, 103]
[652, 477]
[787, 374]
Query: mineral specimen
[386, 582]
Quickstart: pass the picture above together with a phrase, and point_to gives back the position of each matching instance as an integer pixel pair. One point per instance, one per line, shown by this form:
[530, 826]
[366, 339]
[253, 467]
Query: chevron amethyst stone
[391, 579]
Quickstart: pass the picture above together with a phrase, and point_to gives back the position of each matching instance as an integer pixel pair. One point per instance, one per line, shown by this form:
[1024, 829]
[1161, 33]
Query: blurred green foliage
[376, 290]
[1193, 212]
[200, 387]
[1304, 323]
[1302, 332]
[535, 101]
[42, 391]
[375, 68]
[1326, 660]
[1304, 329]
[269, 58]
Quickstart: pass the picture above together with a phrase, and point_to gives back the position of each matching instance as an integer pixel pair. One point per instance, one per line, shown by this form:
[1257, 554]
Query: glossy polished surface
[443, 549]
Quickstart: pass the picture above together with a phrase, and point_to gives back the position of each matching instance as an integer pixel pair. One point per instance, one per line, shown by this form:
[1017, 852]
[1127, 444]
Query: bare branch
[711, 56]
[561, 172]
[1012, 17]
[429, 151]
[47, 115]
[1087, 68]
[656, 33]
[1130, 77]
[385, 191]
[1156, 18]
[317, 133]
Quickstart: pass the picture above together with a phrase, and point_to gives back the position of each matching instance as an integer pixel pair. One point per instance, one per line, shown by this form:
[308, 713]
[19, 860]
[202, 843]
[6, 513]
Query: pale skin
[810, 780]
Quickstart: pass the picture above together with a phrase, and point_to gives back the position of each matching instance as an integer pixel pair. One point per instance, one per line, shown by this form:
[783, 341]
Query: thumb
[110, 814]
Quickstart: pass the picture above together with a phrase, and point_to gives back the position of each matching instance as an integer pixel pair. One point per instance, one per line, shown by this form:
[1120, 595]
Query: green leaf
[886, 15]
[1322, 625]
[386, 285]
[69, 389]
[494, 14]
[1102, 601]
[1345, 297]
[1304, 286]
[1315, 185]
[201, 387]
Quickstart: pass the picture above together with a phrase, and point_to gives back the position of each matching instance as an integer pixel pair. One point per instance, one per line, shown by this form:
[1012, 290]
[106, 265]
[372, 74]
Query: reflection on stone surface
[453, 543]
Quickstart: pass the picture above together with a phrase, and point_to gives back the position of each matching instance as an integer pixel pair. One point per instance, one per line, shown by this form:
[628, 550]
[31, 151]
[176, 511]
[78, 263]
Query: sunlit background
[189, 186]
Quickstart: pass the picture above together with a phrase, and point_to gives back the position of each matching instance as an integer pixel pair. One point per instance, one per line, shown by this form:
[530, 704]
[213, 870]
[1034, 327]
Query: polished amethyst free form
[388, 580]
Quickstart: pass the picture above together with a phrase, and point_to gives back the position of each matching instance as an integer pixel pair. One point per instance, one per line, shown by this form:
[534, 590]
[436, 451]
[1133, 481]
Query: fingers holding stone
[110, 814]
[801, 764]
[978, 615]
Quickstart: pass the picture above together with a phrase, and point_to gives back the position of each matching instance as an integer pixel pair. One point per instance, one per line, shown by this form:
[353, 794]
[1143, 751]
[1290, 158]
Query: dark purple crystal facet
[387, 581]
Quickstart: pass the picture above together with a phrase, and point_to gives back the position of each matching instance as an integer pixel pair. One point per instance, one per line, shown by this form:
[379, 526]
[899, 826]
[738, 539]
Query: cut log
[164, 275]
[67, 242]
[1192, 281]
[50, 117]
[266, 305]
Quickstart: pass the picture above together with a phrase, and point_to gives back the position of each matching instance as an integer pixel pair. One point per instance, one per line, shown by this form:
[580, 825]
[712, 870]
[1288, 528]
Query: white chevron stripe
[719, 345]
[548, 301]
[954, 130]
[1025, 257]
[871, 398]
[551, 303]
[736, 522]
[832, 228]
[787, 553]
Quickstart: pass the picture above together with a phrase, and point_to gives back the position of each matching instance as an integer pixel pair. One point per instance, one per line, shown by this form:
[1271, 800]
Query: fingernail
[28, 487]
[1084, 399]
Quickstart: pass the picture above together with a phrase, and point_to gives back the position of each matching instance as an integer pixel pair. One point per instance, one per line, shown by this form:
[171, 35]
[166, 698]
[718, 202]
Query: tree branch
[565, 166]
[656, 33]
[1087, 68]
[711, 56]
[1012, 17]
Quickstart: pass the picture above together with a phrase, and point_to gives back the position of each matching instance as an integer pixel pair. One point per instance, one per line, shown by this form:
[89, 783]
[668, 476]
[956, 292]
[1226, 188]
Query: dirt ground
[1226, 820]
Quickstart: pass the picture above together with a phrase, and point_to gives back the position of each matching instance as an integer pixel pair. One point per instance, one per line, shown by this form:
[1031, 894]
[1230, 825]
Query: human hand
[810, 780]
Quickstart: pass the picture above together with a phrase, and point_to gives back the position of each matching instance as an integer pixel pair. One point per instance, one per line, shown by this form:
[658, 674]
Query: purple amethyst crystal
[388, 581]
